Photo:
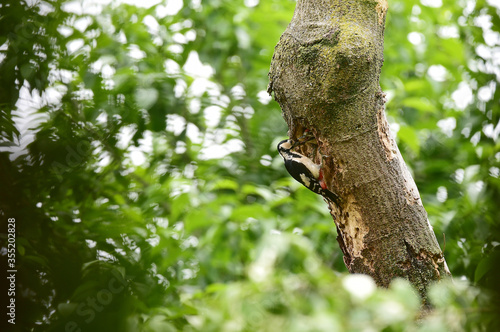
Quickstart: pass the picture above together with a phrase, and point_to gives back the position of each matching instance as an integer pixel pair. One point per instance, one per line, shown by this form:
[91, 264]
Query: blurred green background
[138, 158]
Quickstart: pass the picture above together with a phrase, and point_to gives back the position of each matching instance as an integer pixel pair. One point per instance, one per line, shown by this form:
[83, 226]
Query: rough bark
[325, 76]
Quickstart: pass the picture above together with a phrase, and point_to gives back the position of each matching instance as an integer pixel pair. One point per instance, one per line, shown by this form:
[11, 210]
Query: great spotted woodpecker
[304, 170]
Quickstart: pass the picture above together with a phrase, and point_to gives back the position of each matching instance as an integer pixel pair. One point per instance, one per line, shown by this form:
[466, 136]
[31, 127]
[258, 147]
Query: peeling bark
[325, 76]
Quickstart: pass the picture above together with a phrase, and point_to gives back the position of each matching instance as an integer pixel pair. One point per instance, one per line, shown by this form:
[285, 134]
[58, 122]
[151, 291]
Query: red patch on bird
[322, 183]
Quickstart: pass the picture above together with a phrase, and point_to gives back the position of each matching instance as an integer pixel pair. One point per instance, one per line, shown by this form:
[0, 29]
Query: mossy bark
[325, 76]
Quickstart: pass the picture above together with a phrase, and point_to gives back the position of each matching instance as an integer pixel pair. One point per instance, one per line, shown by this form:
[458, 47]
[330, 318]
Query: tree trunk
[325, 76]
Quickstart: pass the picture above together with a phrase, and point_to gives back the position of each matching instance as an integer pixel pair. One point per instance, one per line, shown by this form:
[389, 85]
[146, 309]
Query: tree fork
[325, 75]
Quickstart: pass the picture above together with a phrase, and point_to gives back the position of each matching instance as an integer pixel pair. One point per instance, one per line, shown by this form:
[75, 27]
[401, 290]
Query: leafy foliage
[152, 196]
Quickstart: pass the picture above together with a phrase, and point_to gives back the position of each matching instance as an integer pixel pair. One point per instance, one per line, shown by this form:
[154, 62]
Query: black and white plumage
[304, 170]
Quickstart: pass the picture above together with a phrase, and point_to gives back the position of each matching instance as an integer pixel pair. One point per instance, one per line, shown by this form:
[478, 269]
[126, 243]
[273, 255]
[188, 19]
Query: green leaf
[27, 71]
[409, 136]
[66, 309]
[419, 103]
[146, 98]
